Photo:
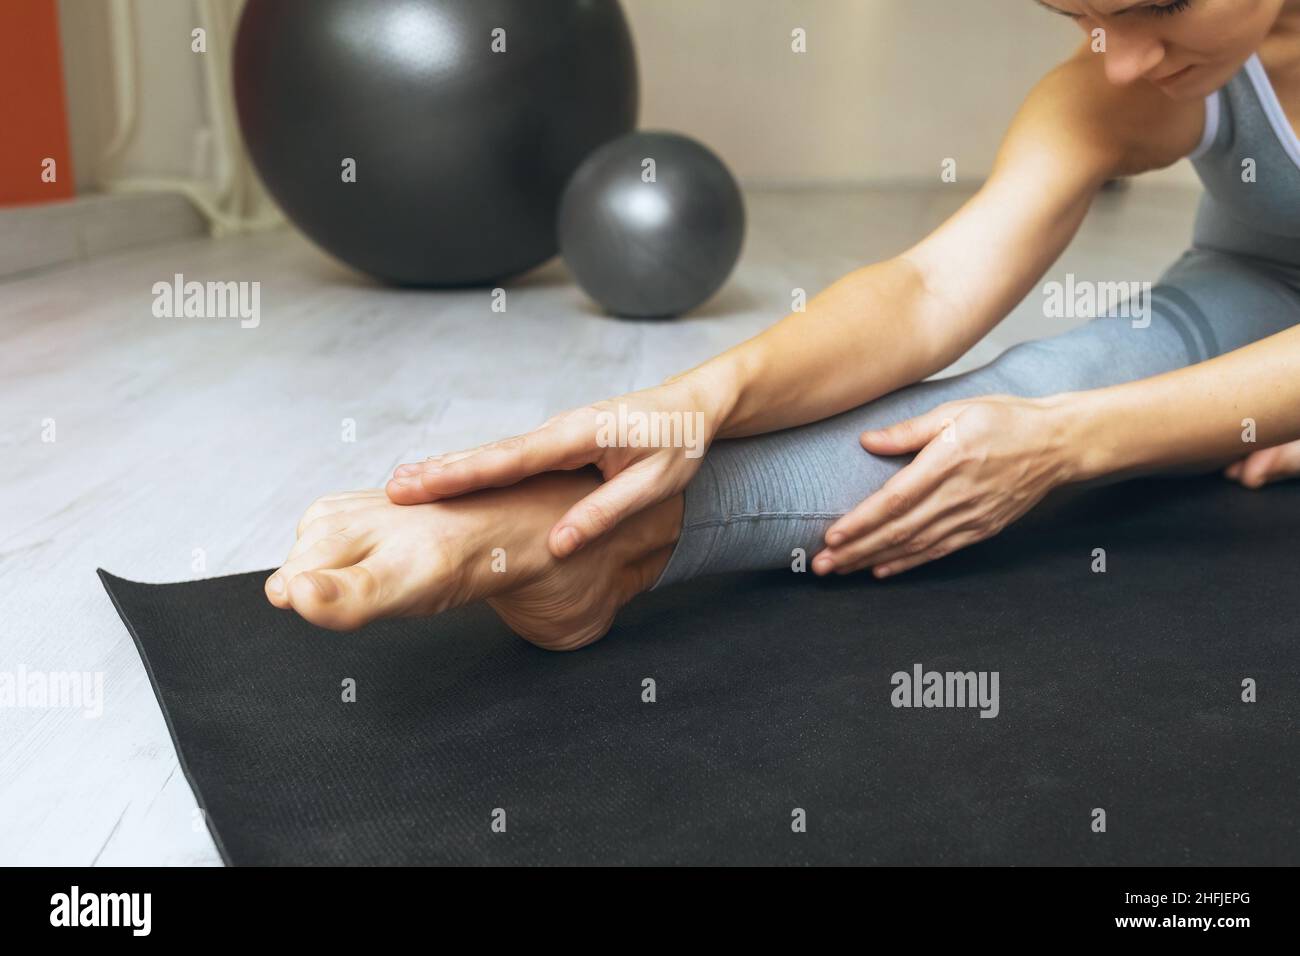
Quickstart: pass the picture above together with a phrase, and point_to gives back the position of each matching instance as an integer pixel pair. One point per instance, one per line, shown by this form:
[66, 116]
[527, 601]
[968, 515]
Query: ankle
[650, 540]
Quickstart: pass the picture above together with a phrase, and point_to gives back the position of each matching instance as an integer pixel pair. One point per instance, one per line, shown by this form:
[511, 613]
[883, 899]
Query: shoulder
[1137, 126]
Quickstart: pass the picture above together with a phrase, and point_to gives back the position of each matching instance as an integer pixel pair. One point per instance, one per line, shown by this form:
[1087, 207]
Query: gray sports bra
[1249, 161]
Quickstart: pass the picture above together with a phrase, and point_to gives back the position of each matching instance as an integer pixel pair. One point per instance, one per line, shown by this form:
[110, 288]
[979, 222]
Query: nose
[1130, 56]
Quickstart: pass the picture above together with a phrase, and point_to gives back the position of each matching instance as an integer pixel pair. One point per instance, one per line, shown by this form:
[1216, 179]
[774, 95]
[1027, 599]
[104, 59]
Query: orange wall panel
[33, 109]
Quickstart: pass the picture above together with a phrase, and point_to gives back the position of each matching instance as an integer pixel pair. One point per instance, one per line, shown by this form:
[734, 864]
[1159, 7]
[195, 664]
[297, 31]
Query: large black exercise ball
[465, 119]
[651, 224]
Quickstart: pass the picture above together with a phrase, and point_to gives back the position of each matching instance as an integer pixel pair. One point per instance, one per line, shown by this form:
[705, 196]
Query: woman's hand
[982, 463]
[647, 444]
[1266, 466]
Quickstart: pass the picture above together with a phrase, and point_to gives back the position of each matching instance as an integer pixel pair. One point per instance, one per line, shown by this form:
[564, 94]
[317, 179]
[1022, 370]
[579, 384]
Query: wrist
[716, 388]
[1083, 449]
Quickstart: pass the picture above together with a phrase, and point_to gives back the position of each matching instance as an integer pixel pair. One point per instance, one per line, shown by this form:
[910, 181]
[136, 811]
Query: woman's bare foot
[359, 558]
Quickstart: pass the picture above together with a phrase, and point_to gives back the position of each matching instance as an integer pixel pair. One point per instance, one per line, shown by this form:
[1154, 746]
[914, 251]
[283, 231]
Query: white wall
[886, 91]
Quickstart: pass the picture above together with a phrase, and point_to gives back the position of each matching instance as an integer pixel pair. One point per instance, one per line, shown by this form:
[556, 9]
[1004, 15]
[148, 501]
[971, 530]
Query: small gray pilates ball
[651, 249]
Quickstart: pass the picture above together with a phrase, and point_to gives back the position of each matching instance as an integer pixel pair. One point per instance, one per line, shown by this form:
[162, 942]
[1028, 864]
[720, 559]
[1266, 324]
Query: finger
[893, 500]
[330, 504]
[959, 524]
[617, 499]
[940, 549]
[930, 522]
[1259, 468]
[554, 448]
[338, 550]
[414, 467]
[408, 490]
[1288, 461]
[909, 435]
[941, 525]
[433, 462]
[1233, 471]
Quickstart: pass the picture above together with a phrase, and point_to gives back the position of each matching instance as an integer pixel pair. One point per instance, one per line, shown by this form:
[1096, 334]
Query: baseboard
[38, 237]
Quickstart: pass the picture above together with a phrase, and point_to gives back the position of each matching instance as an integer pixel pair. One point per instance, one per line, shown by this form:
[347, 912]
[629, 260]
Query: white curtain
[219, 180]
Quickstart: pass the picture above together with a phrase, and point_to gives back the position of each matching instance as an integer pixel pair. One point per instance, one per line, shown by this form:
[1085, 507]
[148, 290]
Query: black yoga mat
[1119, 691]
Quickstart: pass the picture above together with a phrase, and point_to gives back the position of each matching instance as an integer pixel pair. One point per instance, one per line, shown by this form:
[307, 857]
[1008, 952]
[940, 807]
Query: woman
[557, 551]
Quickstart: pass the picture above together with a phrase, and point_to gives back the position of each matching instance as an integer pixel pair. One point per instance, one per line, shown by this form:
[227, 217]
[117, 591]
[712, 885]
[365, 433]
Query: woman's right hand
[647, 444]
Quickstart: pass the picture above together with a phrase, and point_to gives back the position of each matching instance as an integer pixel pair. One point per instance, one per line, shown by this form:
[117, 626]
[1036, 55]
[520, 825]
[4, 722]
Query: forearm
[859, 339]
[889, 325]
[1202, 414]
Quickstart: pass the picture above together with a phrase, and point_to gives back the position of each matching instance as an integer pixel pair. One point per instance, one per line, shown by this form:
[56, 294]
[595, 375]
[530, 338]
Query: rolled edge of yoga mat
[113, 585]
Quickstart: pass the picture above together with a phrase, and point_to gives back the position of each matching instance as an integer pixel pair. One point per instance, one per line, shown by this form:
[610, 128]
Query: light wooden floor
[180, 434]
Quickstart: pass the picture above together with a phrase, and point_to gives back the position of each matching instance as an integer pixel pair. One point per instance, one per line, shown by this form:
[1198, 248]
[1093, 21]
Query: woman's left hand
[1266, 466]
[982, 463]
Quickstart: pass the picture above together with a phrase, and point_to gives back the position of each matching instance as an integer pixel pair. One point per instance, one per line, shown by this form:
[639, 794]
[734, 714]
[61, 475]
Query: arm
[1010, 452]
[1189, 417]
[875, 330]
[889, 325]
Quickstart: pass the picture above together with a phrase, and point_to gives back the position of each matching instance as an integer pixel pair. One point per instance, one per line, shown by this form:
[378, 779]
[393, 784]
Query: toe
[332, 504]
[337, 550]
[341, 599]
[316, 532]
[350, 517]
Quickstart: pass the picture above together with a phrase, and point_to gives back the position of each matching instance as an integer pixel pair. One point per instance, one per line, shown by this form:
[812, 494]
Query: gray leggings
[757, 499]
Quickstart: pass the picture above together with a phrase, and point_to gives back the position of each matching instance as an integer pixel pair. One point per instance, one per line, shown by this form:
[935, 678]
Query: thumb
[911, 434]
[614, 501]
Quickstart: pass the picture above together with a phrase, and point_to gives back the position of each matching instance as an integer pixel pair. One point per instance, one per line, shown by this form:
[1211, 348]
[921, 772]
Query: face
[1186, 48]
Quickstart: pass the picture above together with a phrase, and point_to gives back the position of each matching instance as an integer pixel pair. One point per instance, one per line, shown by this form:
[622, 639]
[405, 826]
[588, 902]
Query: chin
[1198, 84]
